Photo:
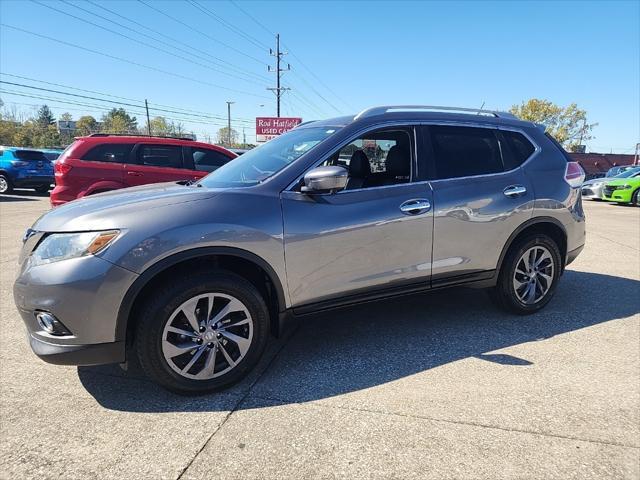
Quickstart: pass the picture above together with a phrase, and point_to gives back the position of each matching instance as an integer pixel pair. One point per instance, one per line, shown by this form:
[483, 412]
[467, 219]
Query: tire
[42, 189]
[156, 340]
[505, 294]
[635, 198]
[5, 184]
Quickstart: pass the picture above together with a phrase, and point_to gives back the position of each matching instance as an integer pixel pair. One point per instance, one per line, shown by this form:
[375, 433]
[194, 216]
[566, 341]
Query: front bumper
[591, 192]
[98, 354]
[621, 196]
[85, 295]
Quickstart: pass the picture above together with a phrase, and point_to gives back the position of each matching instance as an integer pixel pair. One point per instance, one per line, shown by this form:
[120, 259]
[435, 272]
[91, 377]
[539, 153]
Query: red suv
[103, 162]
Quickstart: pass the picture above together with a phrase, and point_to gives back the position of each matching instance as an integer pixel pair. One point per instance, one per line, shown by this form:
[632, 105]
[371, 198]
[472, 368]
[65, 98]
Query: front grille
[609, 189]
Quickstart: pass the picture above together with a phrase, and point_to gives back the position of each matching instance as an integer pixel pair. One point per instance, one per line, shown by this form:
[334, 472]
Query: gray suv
[194, 277]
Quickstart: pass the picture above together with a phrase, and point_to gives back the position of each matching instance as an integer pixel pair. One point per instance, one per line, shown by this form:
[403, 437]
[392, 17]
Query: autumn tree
[224, 138]
[86, 125]
[568, 125]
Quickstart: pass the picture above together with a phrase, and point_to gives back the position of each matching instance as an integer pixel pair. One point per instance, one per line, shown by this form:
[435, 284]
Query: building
[598, 163]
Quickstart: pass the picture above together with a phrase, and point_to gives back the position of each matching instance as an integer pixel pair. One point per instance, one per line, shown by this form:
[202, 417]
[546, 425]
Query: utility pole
[146, 106]
[278, 71]
[244, 137]
[636, 157]
[229, 123]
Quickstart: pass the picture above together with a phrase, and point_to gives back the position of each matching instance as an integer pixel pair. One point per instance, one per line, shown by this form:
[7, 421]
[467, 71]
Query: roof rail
[139, 135]
[370, 112]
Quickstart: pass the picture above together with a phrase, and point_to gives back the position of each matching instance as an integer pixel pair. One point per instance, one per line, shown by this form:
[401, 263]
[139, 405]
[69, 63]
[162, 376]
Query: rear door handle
[514, 191]
[415, 207]
[135, 174]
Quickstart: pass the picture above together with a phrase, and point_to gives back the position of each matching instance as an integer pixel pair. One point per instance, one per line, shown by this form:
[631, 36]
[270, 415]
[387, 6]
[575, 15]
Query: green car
[624, 189]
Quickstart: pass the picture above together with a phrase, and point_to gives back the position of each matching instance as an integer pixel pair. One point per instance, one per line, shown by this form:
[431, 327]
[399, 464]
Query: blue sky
[364, 53]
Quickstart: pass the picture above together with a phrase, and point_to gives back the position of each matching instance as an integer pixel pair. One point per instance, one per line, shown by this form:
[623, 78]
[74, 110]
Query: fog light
[51, 324]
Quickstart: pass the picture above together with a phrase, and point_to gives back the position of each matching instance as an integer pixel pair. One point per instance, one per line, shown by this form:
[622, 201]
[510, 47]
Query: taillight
[574, 174]
[61, 169]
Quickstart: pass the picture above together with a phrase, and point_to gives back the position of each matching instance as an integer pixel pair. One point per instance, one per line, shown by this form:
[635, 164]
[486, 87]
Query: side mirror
[325, 180]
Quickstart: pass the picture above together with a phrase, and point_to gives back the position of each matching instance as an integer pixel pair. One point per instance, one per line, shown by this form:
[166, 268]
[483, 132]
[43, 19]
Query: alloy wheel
[207, 336]
[4, 185]
[533, 276]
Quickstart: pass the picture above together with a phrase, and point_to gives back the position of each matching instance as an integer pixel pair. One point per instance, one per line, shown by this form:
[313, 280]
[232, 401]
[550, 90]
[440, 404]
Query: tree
[66, 117]
[568, 125]
[224, 138]
[45, 117]
[86, 125]
[119, 121]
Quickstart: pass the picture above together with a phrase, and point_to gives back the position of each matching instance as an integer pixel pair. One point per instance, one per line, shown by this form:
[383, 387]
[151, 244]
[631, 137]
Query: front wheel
[635, 198]
[529, 275]
[202, 333]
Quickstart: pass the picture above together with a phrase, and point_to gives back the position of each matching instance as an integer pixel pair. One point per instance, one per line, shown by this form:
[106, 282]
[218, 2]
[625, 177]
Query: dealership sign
[270, 127]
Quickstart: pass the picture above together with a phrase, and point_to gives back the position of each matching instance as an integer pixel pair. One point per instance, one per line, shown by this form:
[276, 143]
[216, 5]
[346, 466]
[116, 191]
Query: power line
[228, 25]
[191, 27]
[110, 101]
[182, 110]
[131, 62]
[162, 35]
[148, 45]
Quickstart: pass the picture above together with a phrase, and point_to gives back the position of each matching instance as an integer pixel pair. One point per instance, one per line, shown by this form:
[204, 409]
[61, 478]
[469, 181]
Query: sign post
[270, 127]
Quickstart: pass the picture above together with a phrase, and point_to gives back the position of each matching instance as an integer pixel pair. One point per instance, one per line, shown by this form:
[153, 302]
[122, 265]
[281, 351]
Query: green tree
[119, 121]
[223, 137]
[66, 117]
[45, 117]
[86, 125]
[568, 125]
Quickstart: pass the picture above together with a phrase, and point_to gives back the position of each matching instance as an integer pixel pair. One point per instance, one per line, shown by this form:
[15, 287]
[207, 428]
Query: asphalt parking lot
[432, 386]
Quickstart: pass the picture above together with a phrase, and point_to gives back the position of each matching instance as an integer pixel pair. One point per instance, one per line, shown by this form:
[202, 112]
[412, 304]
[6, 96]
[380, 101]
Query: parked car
[192, 278]
[52, 154]
[615, 171]
[24, 168]
[101, 162]
[592, 189]
[625, 188]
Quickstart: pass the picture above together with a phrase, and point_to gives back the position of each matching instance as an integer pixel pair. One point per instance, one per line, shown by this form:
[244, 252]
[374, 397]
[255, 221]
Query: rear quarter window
[519, 149]
[111, 153]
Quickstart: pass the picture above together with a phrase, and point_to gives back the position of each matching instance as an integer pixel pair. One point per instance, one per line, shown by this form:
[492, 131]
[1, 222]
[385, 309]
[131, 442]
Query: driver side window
[376, 159]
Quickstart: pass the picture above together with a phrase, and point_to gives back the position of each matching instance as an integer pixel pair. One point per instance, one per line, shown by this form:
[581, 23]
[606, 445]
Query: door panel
[344, 243]
[473, 218]
[157, 163]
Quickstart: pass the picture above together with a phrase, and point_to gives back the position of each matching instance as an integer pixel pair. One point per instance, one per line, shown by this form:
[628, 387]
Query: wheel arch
[546, 225]
[242, 262]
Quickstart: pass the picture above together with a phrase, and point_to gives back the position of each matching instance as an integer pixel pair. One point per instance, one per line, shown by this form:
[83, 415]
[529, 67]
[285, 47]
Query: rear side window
[161, 156]
[207, 160]
[111, 153]
[465, 151]
[29, 155]
[520, 146]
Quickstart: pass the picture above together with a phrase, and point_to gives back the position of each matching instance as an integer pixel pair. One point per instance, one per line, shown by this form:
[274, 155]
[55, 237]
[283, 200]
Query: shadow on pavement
[361, 347]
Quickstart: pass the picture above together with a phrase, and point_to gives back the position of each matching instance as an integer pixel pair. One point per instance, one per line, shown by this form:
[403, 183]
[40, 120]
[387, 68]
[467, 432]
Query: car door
[372, 237]
[201, 161]
[480, 196]
[155, 163]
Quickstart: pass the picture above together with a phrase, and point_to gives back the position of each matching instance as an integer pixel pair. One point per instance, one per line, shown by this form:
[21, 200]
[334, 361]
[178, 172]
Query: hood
[594, 180]
[117, 208]
[624, 181]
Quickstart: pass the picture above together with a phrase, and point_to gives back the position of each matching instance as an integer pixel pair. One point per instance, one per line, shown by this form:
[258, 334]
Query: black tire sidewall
[504, 289]
[635, 198]
[158, 309]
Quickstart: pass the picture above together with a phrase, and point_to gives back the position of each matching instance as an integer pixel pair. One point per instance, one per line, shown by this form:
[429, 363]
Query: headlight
[626, 187]
[596, 184]
[62, 246]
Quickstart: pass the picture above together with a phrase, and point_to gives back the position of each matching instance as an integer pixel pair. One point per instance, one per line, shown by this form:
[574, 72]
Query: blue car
[24, 168]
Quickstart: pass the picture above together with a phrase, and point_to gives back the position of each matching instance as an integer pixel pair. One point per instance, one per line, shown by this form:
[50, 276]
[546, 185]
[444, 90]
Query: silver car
[194, 278]
[592, 189]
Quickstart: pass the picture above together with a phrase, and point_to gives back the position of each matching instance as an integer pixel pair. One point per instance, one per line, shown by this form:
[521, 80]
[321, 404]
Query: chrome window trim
[377, 126]
[536, 152]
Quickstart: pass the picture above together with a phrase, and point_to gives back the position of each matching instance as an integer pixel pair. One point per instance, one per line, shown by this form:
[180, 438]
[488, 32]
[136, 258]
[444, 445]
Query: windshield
[628, 173]
[262, 162]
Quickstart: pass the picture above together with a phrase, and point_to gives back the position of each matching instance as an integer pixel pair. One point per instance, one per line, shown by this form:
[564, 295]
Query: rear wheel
[529, 275]
[202, 333]
[5, 184]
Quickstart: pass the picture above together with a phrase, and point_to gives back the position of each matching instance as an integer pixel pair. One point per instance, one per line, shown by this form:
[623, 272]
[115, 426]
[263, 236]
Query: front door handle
[514, 191]
[135, 174]
[415, 207]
